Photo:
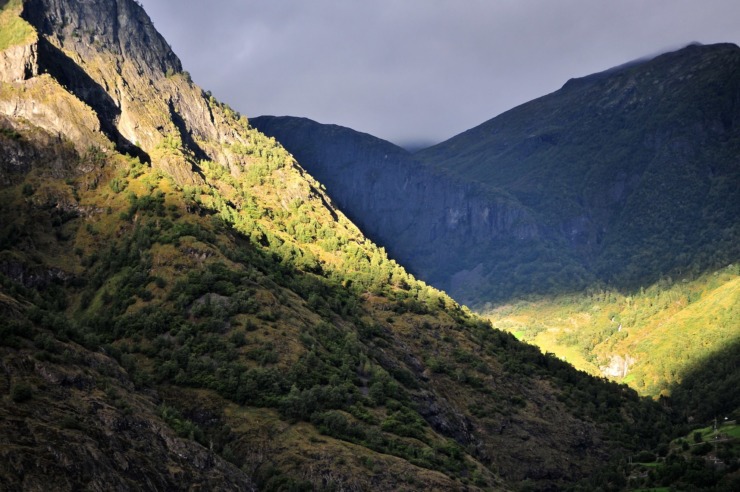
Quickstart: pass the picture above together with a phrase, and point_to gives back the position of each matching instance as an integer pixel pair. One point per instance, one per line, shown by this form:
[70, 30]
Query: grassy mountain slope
[15, 31]
[184, 307]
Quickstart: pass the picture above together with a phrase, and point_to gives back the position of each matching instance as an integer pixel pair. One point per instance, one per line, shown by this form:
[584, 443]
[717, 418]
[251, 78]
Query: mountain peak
[118, 27]
[684, 58]
[108, 56]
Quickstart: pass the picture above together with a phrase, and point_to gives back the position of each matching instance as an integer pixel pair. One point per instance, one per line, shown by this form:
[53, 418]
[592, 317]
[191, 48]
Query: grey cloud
[418, 70]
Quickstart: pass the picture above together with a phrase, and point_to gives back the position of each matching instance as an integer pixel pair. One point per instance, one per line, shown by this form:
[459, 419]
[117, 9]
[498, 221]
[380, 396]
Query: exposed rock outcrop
[44, 103]
[618, 366]
[18, 63]
[105, 60]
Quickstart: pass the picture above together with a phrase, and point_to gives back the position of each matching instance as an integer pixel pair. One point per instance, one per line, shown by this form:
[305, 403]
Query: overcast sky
[415, 71]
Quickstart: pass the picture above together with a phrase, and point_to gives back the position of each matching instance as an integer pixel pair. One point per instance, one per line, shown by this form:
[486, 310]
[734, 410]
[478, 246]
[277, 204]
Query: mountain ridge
[616, 101]
[577, 163]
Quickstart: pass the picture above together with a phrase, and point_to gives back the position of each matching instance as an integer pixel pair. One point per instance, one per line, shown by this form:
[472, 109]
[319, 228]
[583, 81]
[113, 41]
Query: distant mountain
[635, 169]
[182, 306]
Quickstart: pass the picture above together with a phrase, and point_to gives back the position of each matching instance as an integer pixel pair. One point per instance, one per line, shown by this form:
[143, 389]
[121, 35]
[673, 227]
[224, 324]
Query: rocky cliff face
[19, 62]
[440, 227]
[108, 56]
[118, 28]
[44, 154]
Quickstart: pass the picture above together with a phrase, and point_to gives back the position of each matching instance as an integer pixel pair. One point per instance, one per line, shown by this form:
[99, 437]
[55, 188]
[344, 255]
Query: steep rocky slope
[184, 307]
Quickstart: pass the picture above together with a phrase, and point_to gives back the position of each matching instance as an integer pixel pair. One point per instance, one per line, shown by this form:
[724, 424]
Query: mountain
[635, 169]
[184, 306]
[616, 180]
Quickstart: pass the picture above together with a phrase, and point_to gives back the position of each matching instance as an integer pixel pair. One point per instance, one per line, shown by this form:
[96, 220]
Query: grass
[13, 29]
[547, 341]
[731, 430]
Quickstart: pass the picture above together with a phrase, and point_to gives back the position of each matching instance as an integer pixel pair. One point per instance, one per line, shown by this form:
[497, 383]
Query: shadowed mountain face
[616, 179]
[438, 226]
[711, 388]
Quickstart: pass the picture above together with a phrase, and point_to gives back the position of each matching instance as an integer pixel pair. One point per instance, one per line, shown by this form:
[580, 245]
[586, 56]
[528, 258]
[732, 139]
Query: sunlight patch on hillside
[655, 335]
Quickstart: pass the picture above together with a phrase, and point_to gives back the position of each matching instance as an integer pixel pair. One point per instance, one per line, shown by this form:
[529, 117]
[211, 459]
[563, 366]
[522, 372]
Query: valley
[598, 222]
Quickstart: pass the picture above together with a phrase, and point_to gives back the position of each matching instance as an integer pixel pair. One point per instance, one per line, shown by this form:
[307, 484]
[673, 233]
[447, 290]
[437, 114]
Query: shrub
[645, 457]
[118, 185]
[21, 392]
[701, 449]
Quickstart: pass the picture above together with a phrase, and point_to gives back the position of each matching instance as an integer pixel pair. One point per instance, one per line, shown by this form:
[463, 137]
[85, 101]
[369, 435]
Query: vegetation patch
[13, 29]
